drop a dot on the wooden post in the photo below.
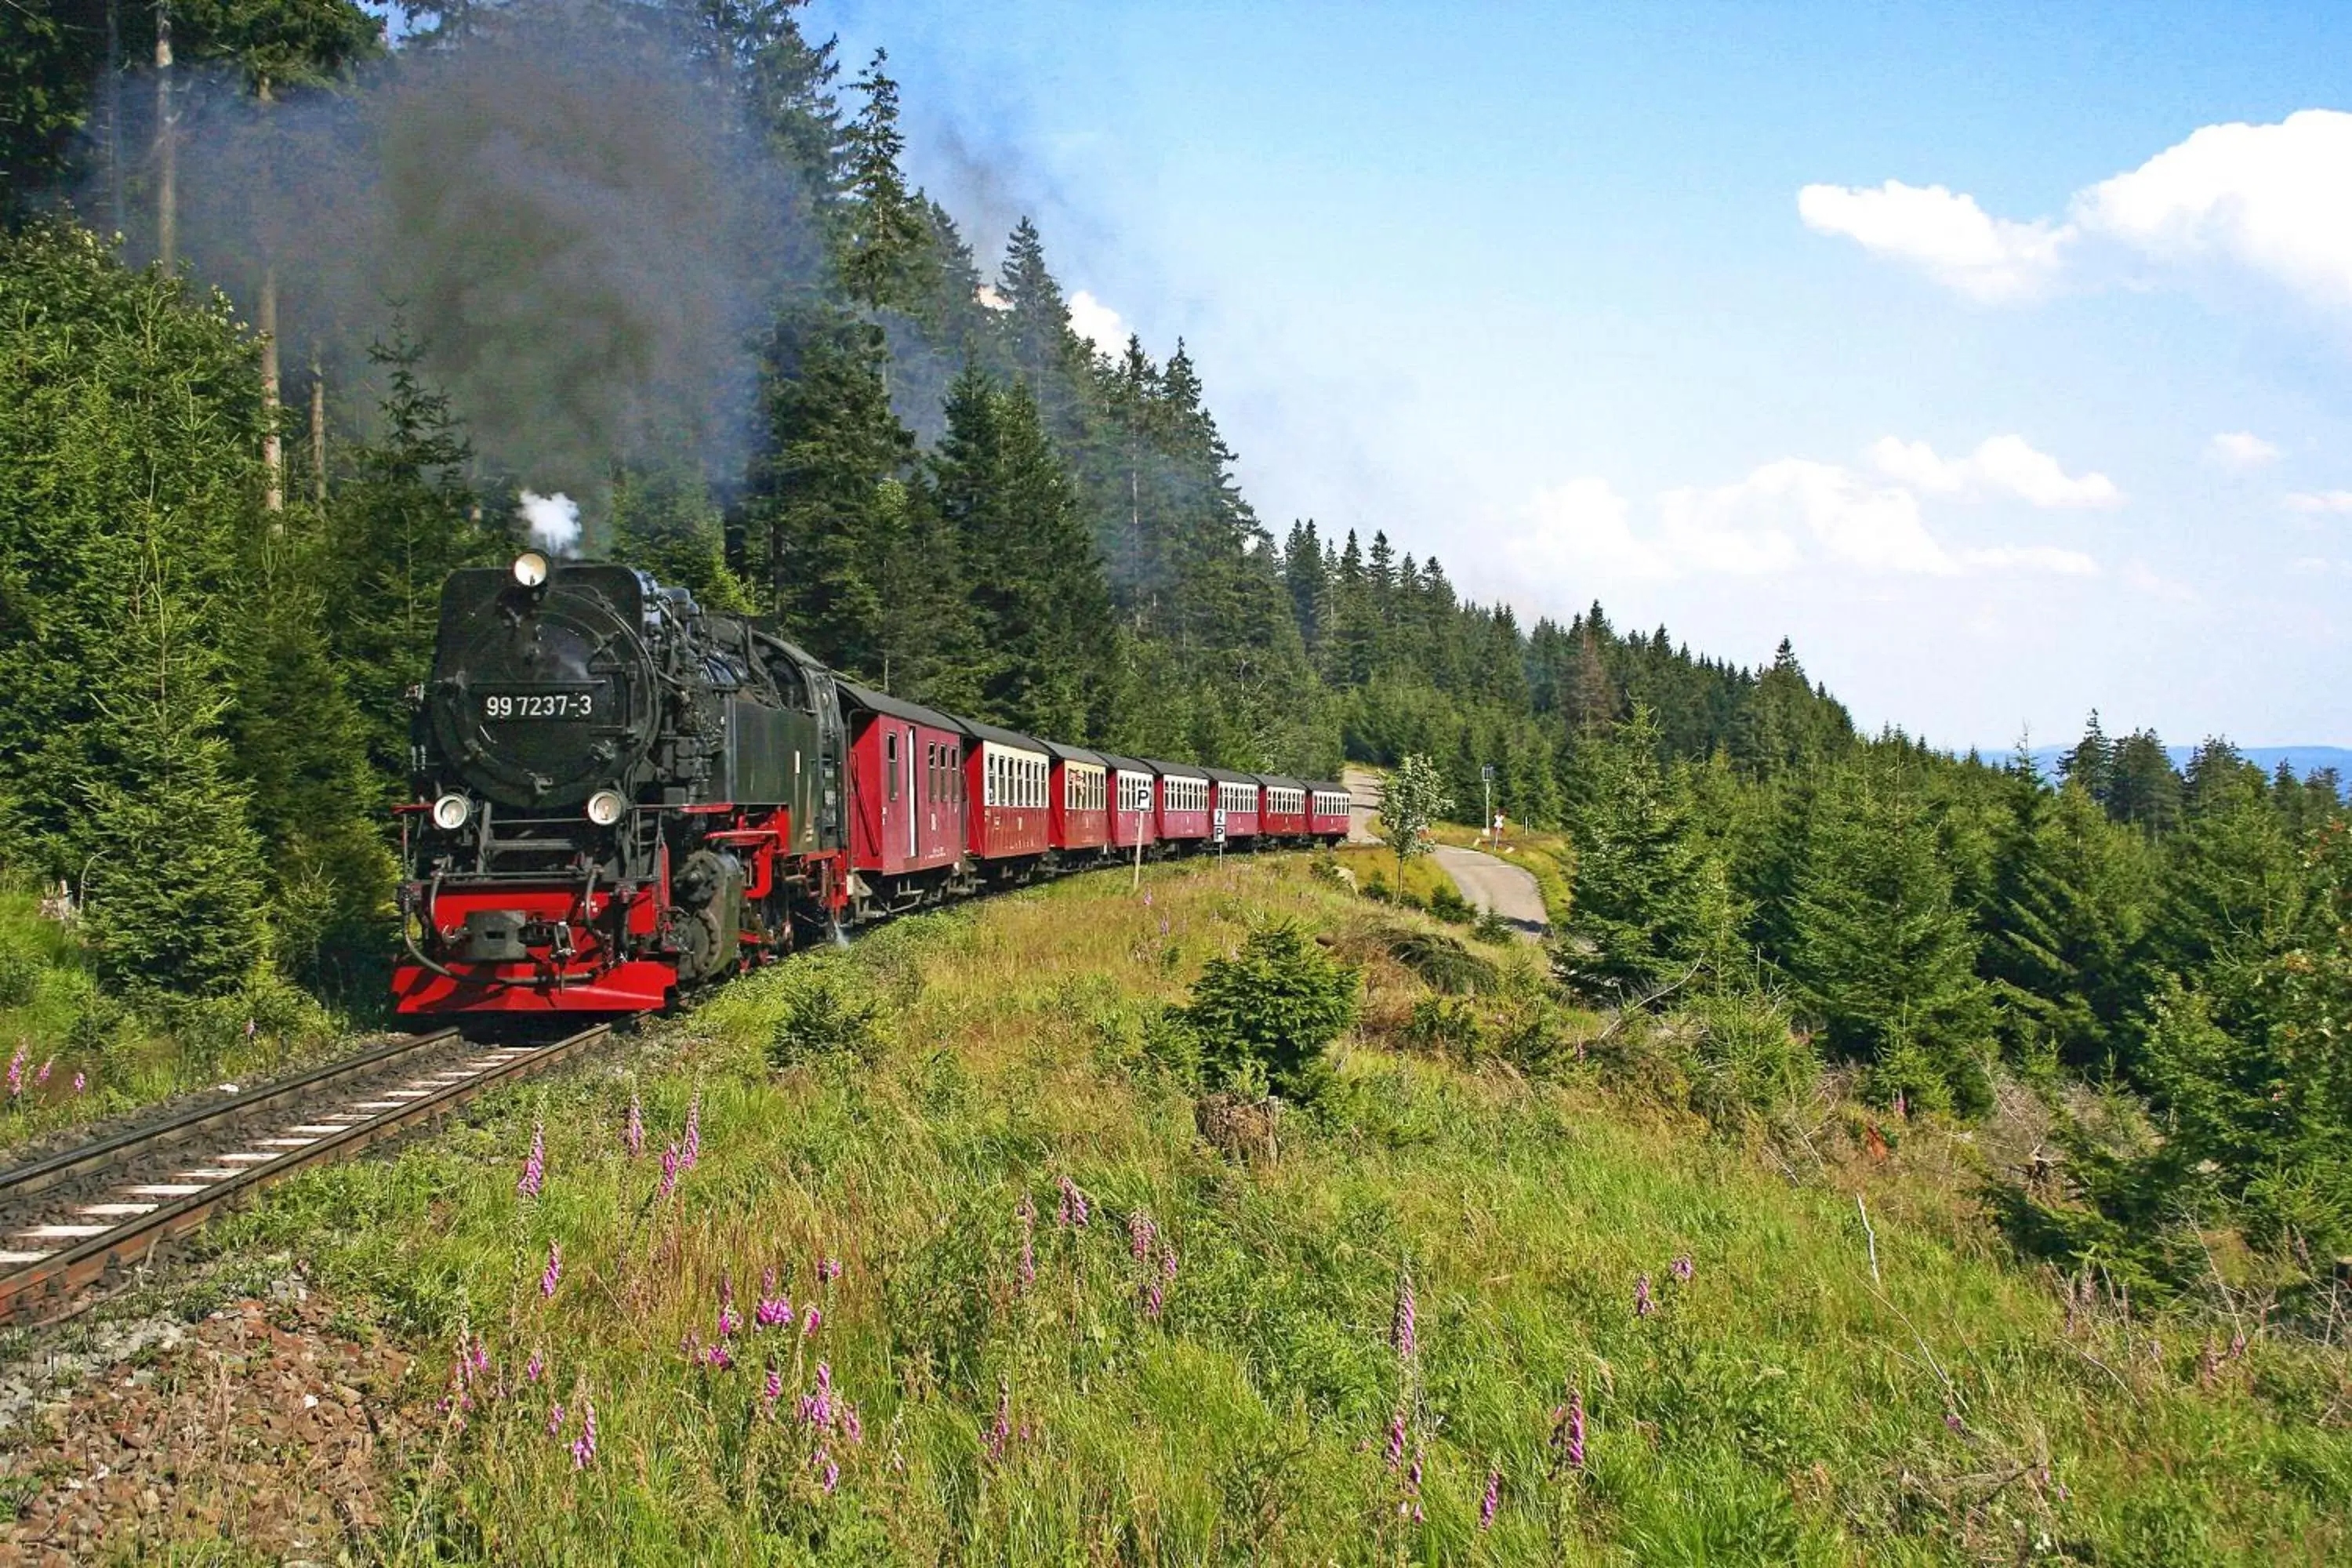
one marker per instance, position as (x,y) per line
(1137,881)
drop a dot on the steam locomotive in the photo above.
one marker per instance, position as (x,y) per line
(619,796)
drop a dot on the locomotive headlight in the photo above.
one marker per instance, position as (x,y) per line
(530,568)
(605,807)
(449,813)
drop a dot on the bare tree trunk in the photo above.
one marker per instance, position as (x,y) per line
(167,161)
(318,435)
(114,115)
(273,449)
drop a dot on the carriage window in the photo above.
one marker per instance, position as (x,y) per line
(891,758)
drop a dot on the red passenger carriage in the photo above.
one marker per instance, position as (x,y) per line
(905,799)
(1283,814)
(1328,808)
(1132,795)
(1184,799)
(1237,795)
(1008,820)
(1080,793)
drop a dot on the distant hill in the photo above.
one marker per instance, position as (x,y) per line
(2304,760)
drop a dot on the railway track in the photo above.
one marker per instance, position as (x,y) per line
(78,1217)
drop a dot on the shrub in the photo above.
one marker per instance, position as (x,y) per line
(1376,888)
(824,1014)
(1451,1027)
(1440,961)
(1265,1014)
(20,975)
(1446,902)
(1490,926)
(1746,1058)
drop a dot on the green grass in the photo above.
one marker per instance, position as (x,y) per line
(1780,1406)
(53,1015)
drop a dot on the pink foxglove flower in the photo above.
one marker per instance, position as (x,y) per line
(80,1083)
(1027,1217)
(42,1077)
(536,1369)
(832,1472)
(554,1420)
(583,1447)
(693,1150)
(1396,1439)
(772,1311)
(669,1173)
(773,1389)
(534,1166)
(811,1316)
(1405,1320)
(633,1134)
(1493,1499)
(17,1072)
(727,1321)
(1681,1268)
(549,1275)
(1000,1431)
(850,1426)
(829,1271)
(718,1359)
(1141,1233)
(1643,1305)
(1073,1211)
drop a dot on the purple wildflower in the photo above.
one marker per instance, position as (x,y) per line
(1952,1420)
(1418,1517)
(772,1311)
(80,1083)
(693,1151)
(633,1134)
(42,1077)
(727,1321)
(829,1271)
(536,1369)
(1000,1431)
(1681,1268)
(832,1471)
(1567,1434)
(775,1388)
(817,1409)
(1643,1305)
(1140,1233)
(555,1420)
(1396,1439)
(1902,1106)
(811,1316)
(669,1173)
(534,1166)
(1074,1210)
(480,1357)
(17,1072)
(1026,1215)
(553,1272)
(718,1359)
(850,1426)
(583,1447)
(1493,1499)
(1402,1325)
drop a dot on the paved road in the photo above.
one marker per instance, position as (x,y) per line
(1492,884)
(1364,787)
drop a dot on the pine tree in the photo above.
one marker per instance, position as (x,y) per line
(1879,951)
(1652,908)
(2142,787)
(176,897)
(885,251)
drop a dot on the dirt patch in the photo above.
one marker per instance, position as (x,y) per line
(258,1425)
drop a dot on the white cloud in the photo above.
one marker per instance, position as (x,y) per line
(1954,240)
(2263,201)
(2032,558)
(2268,198)
(2240,450)
(1758,524)
(553,520)
(1097,323)
(2000,466)
(2321,501)
(1584,525)
(1787,516)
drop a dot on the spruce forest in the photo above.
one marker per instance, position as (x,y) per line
(233,475)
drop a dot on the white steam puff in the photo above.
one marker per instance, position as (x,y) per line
(554,521)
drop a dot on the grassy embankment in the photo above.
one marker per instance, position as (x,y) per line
(1794,1400)
(58,1024)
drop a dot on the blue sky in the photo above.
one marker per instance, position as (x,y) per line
(1620,302)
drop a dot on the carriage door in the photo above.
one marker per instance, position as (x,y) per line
(914,804)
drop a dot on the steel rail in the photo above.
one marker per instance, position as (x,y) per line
(28,1287)
(194,1121)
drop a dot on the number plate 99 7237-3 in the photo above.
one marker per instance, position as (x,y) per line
(540,705)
